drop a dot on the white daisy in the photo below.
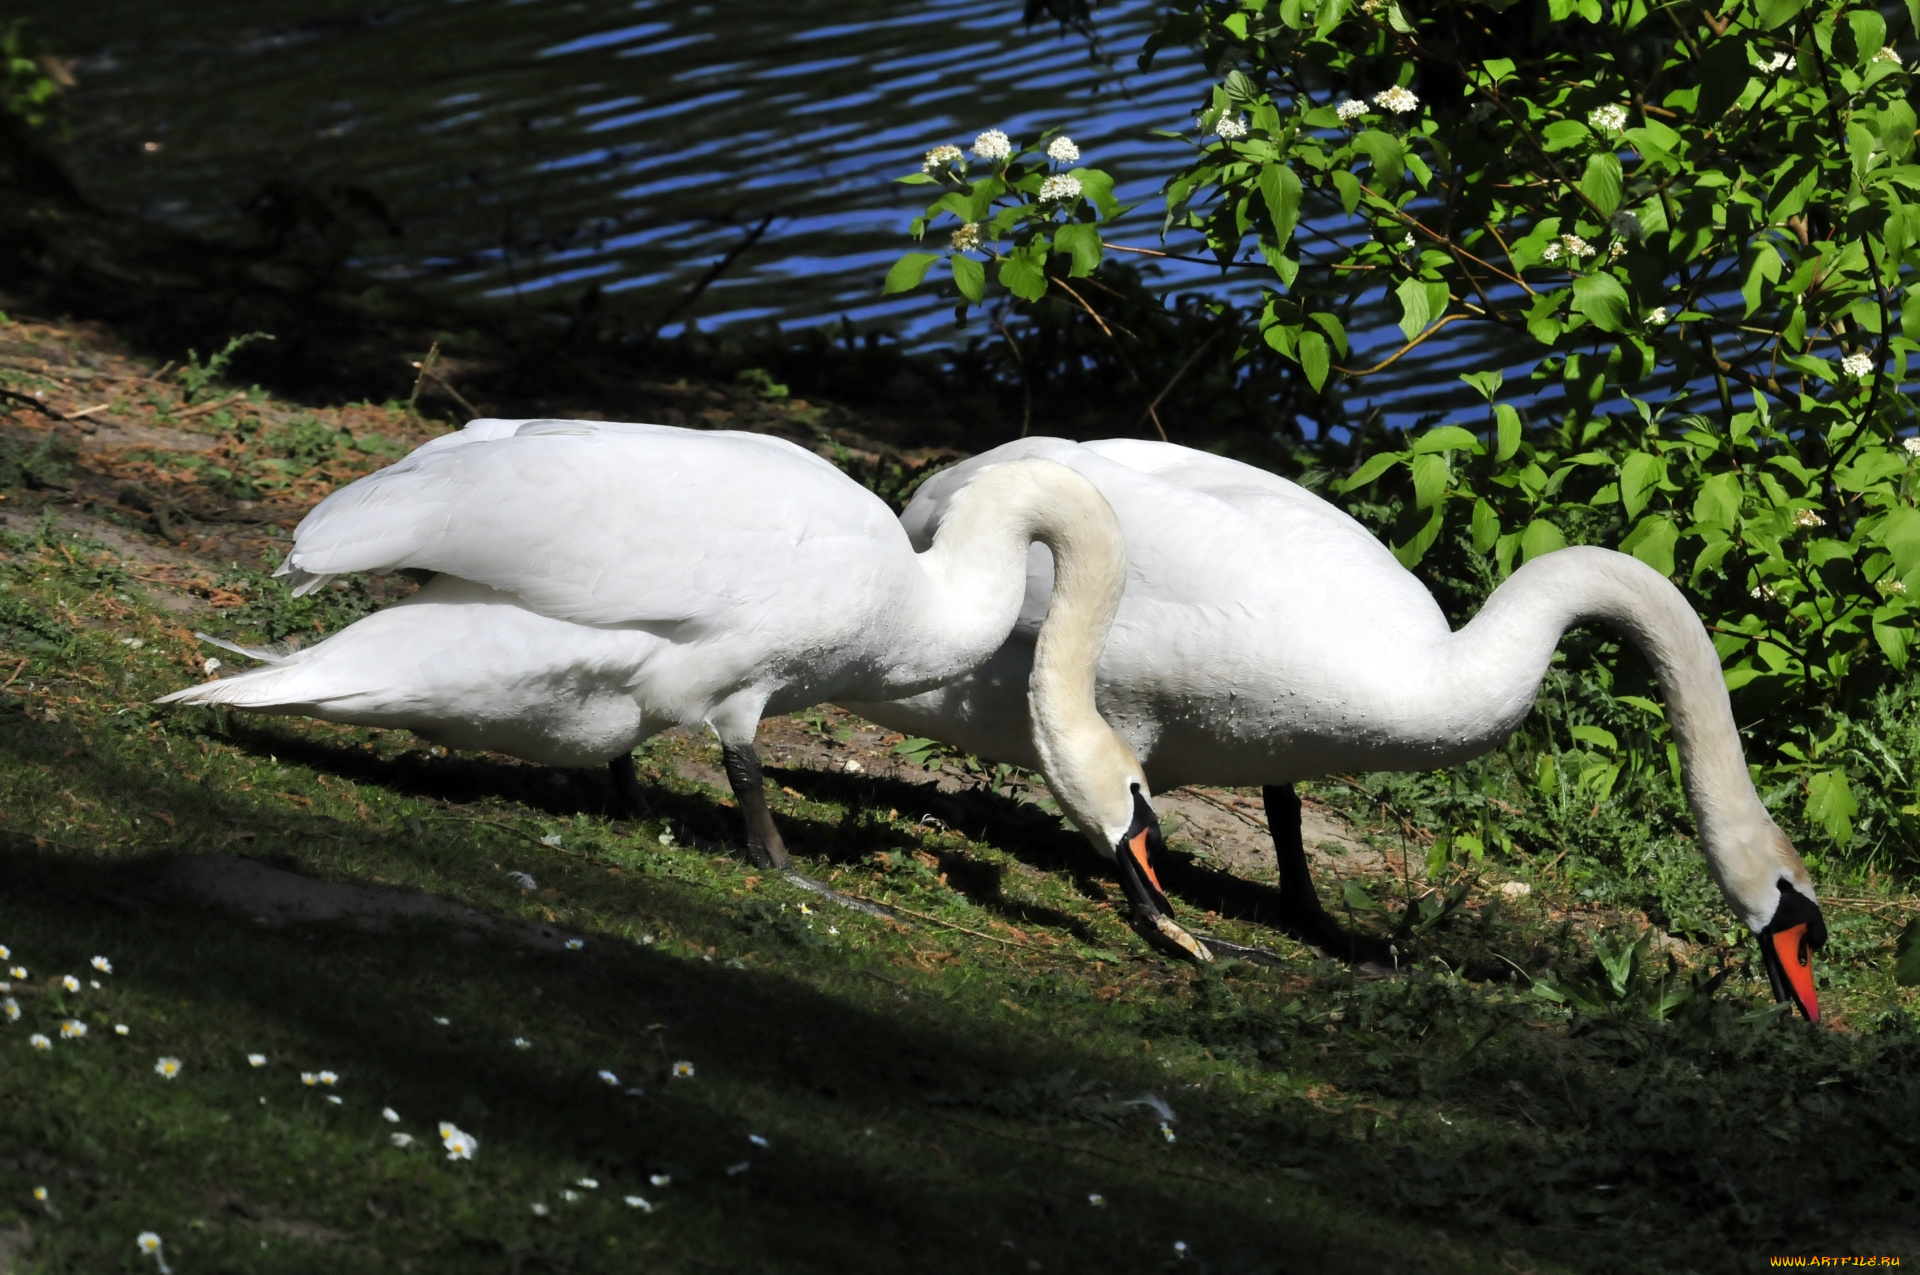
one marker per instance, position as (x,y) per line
(539,1210)
(166,1068)
(328,1078)
(256,1060)
(39,1042)
(1098,1200)
(661,1179)
(401,1139)
(607,1077)
(460,1146)
(148,1242)
(72,1029)
(683,1071)
(574,945)
(102,964)
(69,982)
(636,1202)
(11,1007)
(591,1184)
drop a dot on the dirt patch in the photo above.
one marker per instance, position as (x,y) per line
(273,896)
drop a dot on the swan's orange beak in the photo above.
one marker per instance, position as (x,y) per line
(1138,849)
(1789,961)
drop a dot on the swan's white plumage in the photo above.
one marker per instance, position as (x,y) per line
(597,582)
(1266,637)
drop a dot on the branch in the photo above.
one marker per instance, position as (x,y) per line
(1395,356)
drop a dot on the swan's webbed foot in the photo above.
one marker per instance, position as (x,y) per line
(765,849)
(1152,913)
(629,798)
(1300,912)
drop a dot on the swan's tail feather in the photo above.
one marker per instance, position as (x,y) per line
(302,582)
(276,686)
(265,654)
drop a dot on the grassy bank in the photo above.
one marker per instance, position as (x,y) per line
(1007,1080)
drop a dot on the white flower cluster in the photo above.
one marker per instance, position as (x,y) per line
(1397,100)
(1912,445)
(1406,242)
(1061,150)
(1350,110)
(1059,189)
(1573,247)
(1807,518)
(967,238)
(1230,128)
(1886,54)
(1897,588)
(940,157)
(1607,119)
(1616,250)
(1782,62)
(460,1146)
(1657,315)
(1859,366)
(1762,593)
(992,144)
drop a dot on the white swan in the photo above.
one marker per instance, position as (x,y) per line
(600,582)
(1266,637)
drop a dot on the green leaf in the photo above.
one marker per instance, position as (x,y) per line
(1280,188)
(1314,358)
(1415,311)
(1598,736)
(1540,537)
(1356,897)
(908,272)
(1718,503)
(1376,465)
(1430,474)
(1024,277)
(1349,187)
(1896,132)
(1831,805)
(1486,527)
(1639,475)
(1601,298)
(1388,155)
(1096,188)
(1652,541)
(1488,383)
(1777,13)
(1507,423)
(1410,553)
(1082,242)
(1724,72)
(1906,956)
(1869,35)
(1446,438)
(1602,182)
(970,278)
(1543,317)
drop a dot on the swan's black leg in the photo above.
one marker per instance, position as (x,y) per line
(629,796)
(764,846)
(1300,912)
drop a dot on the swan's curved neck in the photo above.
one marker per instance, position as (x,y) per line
(977,570)
(1511,641)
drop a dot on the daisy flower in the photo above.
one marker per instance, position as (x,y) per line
(402,1139)
(591,1184)
(328,1078)
(308,1079)
(256,1060)
(72,1029)
(521,1042)
(148,1242)
(11,1008)
(539,1210)
(661,1179)
(69,982)
(102,964)
(574,945)
(120,1029)
(683,1071)
(607,1077)
(569,1195)
(17,971)
(1098,1200)
(39,1042)
(389,1115)
(638,1202)
(167,1068)
(6,953)
(40,1194)
(460,1146)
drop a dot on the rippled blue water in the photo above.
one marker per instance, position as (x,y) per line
(527,149)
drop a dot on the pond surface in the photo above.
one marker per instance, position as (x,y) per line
(526,150)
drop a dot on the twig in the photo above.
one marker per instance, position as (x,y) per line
(1395,356)
(714,271)
(1153,415)
(18,668)
(88,411)
(447,385)
(210,407)
(424,366)
(36,404)
(1175,380)
(1026,388)
(1868,905)
(1242,815)
(934,920)
(1174,256)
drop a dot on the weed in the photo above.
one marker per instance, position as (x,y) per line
(196,376)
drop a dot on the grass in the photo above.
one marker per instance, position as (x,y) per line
(948,1095)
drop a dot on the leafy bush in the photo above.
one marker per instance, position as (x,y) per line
(1698,228)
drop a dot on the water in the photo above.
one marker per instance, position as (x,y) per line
(526,150)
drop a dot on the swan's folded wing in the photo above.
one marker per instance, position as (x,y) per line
(604,523)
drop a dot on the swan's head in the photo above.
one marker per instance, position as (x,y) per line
(1766,881)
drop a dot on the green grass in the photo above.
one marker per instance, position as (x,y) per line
(935,1098)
